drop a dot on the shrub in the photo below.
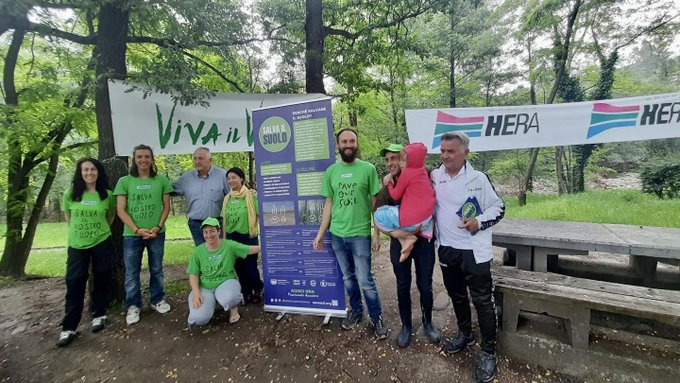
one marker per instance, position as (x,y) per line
(662,178)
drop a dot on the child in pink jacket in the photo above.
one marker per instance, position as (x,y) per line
(415,194)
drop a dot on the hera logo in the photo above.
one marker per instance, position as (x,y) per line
(606,116)
(499,125)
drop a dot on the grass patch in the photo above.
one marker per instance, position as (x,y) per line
(52,263)
(53,234)
(630,207)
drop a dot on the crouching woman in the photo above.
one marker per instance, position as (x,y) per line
(212,276)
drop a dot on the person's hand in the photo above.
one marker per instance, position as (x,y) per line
(470,224)
(375,242)
(197,300)
(318,242)
(144,233)
(388,179)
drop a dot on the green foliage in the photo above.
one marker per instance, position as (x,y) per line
(630,207)
(52,263)
(662,177)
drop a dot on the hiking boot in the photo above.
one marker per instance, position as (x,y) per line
(486,369)
(379,328)
(431,332)
(458,343)
(132,315)
(98,323)
(404,338)
(162,306)
(65,337)
(352,319)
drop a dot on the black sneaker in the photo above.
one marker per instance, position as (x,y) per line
(486,369)
(458,343)
(379,328)
(65,337)
(352,319)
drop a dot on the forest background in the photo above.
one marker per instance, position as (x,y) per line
(376,58)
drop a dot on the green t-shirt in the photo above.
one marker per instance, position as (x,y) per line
(215,267)
(351,188)
(144,200)
(88,224)
(237,214)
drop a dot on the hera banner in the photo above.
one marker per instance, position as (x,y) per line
(530,126)
(294,144)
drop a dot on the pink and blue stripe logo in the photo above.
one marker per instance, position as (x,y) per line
(606,116)
(472,126)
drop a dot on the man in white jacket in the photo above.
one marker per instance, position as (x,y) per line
(466,209)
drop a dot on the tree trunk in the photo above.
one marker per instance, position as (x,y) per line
(111,51)
(314,47)
(452,60)
(15,254)
(561,62)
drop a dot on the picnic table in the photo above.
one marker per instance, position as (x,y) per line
(539,242)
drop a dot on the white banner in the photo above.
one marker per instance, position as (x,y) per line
(171,128)
(530,126)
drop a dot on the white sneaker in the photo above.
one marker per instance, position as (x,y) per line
(65,337)
(162,307)
(132,315)
(98,323)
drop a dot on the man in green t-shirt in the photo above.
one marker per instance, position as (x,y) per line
(350,186)
(212,276)
(143,205)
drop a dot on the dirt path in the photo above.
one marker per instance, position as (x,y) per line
(258,348)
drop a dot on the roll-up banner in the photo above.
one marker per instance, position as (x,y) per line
(294,144)
(530,126)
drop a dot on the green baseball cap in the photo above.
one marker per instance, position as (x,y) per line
(211,222)
(394,148)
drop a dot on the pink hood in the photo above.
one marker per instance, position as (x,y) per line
(416,153)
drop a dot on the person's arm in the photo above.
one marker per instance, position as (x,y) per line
(121,209)
(67,217)
(397,190)
(325,221)
(178,186)
(164,216)
(254,249)
(195,288)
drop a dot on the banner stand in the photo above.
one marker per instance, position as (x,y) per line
(294,144)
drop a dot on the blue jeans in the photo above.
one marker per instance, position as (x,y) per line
(133,250)
(354,258)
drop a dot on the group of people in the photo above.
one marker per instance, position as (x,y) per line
(454,203)
(222,218)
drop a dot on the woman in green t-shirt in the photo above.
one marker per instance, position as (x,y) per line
(239,214)
(89,208)
(212,276)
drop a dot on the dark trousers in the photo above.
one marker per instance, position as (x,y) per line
(422,256)
(77,271)
(460,273)
(246,268)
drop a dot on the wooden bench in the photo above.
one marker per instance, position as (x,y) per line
(573,299)
(537,243)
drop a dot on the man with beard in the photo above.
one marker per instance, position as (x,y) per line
(422,256)
(350,186)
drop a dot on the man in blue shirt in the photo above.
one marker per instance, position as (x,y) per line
(204,188)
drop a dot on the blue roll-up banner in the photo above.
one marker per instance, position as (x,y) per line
(294,144)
